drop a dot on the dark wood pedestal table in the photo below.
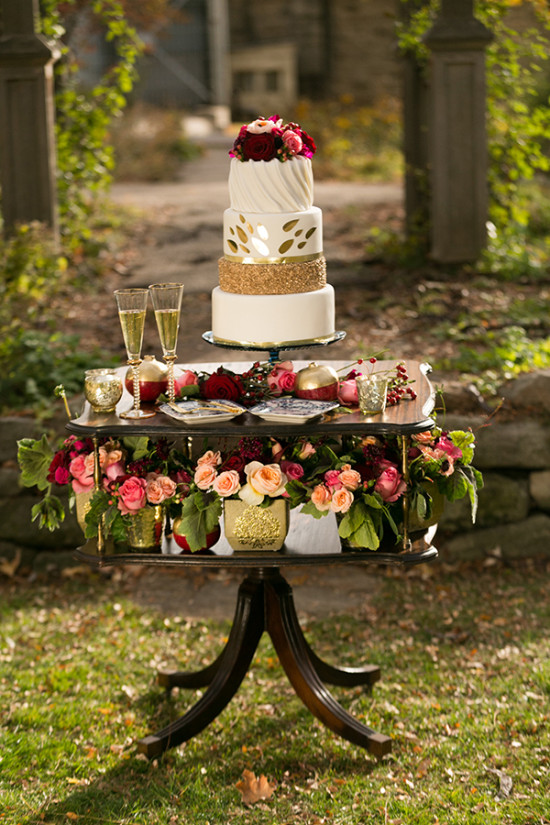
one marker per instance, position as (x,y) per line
(265,600)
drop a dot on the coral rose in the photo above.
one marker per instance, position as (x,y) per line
(341,501)
(226,483)
(210,457)
(159,488)
(132,495)
(204,476)
(349,478)
(321,497)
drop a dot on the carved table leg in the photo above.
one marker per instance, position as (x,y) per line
(231,668)
(294,655)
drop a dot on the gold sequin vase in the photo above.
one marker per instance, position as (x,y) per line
(255,527)
(146,528)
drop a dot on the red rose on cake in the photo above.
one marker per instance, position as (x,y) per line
(269,138)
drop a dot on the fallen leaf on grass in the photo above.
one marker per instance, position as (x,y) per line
(504,782)
(253,789)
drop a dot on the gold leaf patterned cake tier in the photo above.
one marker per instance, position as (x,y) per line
(283,278)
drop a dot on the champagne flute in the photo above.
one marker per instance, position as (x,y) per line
(132,305)
(167,306)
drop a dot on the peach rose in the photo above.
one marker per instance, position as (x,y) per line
(349,478)
(227,483)
(306,450)
(159,488)
(427,437)
(341,501)
(321,497)
(211,458)
(266,479)
(204,476)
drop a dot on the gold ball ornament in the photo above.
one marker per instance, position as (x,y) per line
(153,379)
(317,382)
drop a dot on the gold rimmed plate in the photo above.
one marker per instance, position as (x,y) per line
(202,412)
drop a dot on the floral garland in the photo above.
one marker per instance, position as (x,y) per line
(270,138)
(267,380)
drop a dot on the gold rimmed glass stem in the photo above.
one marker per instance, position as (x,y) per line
(166,300)
(132,306)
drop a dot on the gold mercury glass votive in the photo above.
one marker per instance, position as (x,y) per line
(372,393)
(103,389)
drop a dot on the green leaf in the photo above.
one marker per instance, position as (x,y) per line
(34,459)
(49,512)
(139,444)
(200,515)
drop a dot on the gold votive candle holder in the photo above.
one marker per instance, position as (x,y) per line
(102,389)
(372,391)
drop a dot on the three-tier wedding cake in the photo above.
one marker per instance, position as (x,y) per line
(272,276)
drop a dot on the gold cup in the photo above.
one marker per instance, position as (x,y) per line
(103,389)
(372,393)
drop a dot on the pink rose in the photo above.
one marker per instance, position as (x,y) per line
(292,141)
(347,393)
(211,458)
(114,471)
(444,443)
(81,469)
(292,469)
(132,495)
(265,479)
(321,497)
(332,479)
(390,484)
(349,478)
(159,488)
(281,378)
(306,450)
(204,476)
(62,475)
(184,379)
(341,501)
(227,483)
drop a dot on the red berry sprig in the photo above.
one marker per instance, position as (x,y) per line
(399,387)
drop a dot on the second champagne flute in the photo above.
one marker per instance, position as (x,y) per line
(132,305)
(167,306)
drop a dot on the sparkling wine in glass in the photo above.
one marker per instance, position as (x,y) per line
(132,305)
(167,306)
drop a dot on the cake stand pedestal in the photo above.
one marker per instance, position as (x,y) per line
(274,349)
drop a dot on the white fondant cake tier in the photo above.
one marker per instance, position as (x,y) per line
(267,320)
(272,237)
(271,185)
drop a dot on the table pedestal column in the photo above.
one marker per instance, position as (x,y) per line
(265,603)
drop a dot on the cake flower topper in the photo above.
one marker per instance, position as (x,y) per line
(270,139)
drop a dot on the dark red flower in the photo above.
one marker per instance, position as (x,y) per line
(224,386)
(234,462)
(259,147)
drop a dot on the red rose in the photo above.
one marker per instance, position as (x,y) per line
(58,472)
(222,386)
(259,147)
(234,462)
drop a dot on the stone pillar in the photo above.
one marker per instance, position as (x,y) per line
(220,69)
(457,142)
(27,145)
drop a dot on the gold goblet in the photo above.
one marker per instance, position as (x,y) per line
(166,300)
(132,305)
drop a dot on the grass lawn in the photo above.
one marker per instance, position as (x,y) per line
(465,693)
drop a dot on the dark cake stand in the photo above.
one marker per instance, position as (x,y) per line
(274,349)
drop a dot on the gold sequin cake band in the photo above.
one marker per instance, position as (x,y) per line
(272,279)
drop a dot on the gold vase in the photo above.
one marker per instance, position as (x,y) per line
(82,505)
(255,528)
(146,528)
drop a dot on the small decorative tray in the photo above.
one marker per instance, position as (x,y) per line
(202,412)
(292,410)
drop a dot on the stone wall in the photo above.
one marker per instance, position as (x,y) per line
(512,452)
